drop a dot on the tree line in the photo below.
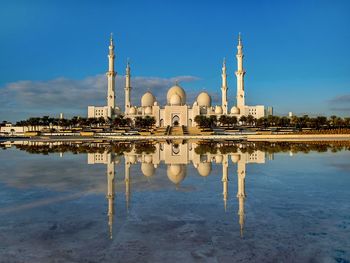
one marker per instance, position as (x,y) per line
(273,121)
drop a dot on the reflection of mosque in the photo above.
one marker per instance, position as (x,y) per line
(177,157)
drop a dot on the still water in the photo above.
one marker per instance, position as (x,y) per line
(174,202)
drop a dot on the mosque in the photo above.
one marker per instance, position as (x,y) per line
(177,158)
(177,111)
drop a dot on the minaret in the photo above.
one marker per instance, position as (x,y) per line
(111,79)
(225,179)
(224,88)
(110,193)
(241,192)
(127,88)
(240,75)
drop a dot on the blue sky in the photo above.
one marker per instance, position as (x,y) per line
(54,53)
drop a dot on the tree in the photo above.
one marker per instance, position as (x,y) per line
(243,119)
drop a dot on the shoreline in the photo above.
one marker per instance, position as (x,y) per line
(248,137)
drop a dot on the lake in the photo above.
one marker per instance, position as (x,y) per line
(174,202)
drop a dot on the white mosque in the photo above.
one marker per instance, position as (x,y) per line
(176,112)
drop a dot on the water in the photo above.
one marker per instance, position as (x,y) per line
(174,202)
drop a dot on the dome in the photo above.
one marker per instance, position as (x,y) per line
(203,99)
(176,173)
(235,158)
(147,169)
(218,110)
(132,110)
(176,90)
(175,100)
(147,99)
(148,110)
(234,110)
(204,169)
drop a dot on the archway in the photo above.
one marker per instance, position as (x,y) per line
(176,120)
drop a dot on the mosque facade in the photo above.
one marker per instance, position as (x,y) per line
(177,111)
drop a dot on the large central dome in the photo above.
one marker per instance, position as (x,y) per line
(176,90)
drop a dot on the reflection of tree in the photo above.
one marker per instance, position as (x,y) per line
(272,147)
(75,148)
(144,147)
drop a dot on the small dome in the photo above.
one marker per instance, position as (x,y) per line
(147,99)
(175,100)
(204,169)
(235,158)
(148,110)
(204,99)
(132,111)
(147,169)
(234,110)
(176,173)
(218,110)
(155,103)
(176,90)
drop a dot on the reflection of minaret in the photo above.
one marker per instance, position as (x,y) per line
(127,182)
(224,88)
(225,179)
(110,192)
(240,75)
(241,165)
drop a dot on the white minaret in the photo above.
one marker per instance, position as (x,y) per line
(240,75)
(127,88)
(224,88)
(111,80)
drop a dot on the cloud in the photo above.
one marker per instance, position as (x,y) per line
(340,103)
(22,99)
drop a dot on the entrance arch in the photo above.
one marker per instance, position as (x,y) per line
(175,120)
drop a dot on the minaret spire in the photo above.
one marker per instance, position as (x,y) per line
(225,180)
(240,76)
(111,79)
(127,87)
(224,87)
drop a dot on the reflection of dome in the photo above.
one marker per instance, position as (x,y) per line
(148,110)
(175,100)
(176,173)
(218,110)
(218,158)
(235,158)
(234,110)
(204,169)
(132,111)
(147,169)
(204,99)
(147,99)
(132,158)
(148,158)
(176,90)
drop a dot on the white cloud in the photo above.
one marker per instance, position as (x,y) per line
(22,99)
